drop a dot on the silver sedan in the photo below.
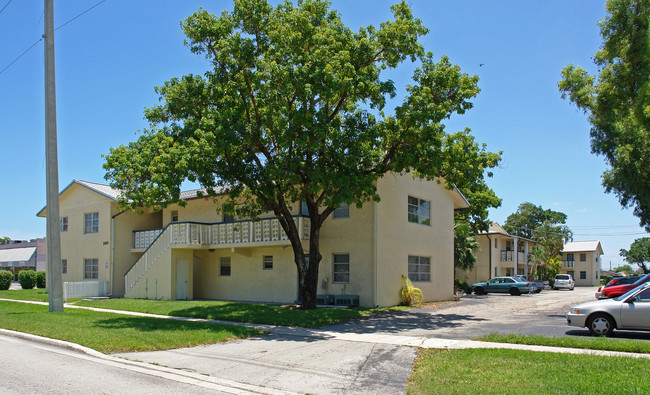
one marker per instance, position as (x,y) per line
(629,311)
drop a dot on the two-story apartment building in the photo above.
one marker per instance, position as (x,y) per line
(197,252)
(581,260)
(499,254)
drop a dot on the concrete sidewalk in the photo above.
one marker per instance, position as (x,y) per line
(388,339)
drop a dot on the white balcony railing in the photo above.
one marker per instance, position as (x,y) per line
(569,264)
(508,256)
(264,230)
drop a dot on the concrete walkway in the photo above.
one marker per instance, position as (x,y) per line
(388,339)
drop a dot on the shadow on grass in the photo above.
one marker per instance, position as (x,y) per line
(270,315)
(146,324)
(629,335)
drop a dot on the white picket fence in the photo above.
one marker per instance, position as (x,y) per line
(84,289)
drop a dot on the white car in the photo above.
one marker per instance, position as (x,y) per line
(629,311)
(564,281)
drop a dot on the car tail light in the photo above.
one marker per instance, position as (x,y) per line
(600,289)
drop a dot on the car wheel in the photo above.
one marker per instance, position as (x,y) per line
(554,289)
(515,291)
(479,291)
(600,325)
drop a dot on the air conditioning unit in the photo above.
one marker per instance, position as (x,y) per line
(346,300)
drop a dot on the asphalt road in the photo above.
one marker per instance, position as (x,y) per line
(31,367)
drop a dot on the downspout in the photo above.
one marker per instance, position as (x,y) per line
(113,249)
(489,256)
(374,253)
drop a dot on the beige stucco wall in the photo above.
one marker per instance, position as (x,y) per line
(77,246)
(123,257)
(591,267)
(397,238)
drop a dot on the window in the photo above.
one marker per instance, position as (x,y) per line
(91,223)
(64,224)
(304,210)
(64,266)
(569,257)
(508,271)
(583,257)
(583,275)
(342,211)
(570,273)
(418,211)
(224,266)
(228,217)
(91,269)
(420,268)
(341,268)
(174,216)
(496,245)
(267,262)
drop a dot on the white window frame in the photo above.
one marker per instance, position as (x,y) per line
(341,268)
(342,211)
(91,222)
(583,257)
(267,262)
(225,262)
(64,224)
(419,210)
(91,268)
(419,268)
(174,216)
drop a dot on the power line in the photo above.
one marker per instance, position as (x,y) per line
(3,8)
(41,39)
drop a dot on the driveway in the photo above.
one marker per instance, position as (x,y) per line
(304,361)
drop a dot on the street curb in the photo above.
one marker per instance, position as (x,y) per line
(162,371)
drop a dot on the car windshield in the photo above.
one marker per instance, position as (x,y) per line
(627,294)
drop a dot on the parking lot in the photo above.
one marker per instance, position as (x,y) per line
(474,316)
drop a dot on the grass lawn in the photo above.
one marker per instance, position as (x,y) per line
(238,312)
(108,333)
(489,371)
(36,294)
(593,343)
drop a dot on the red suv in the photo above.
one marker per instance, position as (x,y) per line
(618,290)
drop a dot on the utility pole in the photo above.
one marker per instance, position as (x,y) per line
(54,278)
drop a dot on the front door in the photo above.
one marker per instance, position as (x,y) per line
(181,279)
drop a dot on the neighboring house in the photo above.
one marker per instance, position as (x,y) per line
(17,255)
(581,259)
(499,254)
(196,252)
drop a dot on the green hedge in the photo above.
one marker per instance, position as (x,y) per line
(5,279)
(27,279)
(41,279)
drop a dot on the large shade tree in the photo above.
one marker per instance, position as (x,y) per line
(529,217)
(639,253)
(293,109)
(617,101)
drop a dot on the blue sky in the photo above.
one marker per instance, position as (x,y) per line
(109,60)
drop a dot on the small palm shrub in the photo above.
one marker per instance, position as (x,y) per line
(41,281)
(5,279)
(408,294)
(27,279)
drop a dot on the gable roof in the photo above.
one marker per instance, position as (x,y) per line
(496,229)
(102,189)
(583,246)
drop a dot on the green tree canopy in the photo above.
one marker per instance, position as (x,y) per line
(465,246)
(617,101)
(529,217)
(293,109)
(625,269)
(639,253)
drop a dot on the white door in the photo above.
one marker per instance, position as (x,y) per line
(181,279)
